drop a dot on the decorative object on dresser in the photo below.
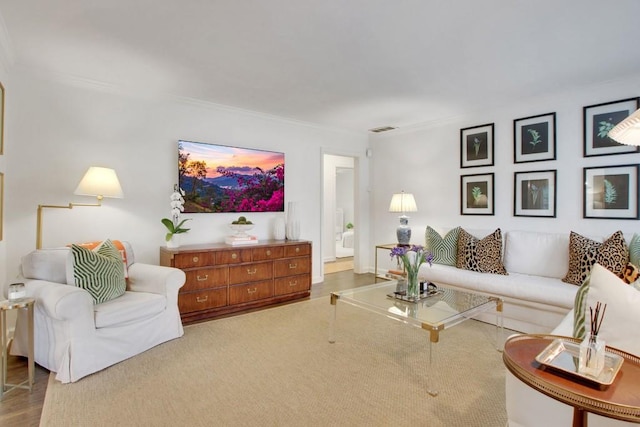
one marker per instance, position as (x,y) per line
(223,280)
(174,225)
(293,221)
(240,236)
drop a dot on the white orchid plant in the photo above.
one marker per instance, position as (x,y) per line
(174,225)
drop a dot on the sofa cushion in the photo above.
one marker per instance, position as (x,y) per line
(118,245)
(634,250)
(128,308)
(100,273)
(444,249)
(622,316)
(584,252)
(484,255)
(538,254)
(46,264)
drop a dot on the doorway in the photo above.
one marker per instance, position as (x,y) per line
(339,213)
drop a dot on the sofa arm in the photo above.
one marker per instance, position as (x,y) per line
(59,301)
(155,279)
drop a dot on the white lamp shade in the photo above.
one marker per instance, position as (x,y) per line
(403,202)
(627,131)
(100,182)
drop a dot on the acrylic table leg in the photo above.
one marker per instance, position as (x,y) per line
(31,362)
(499,326)
(433,339)
(3,345)
(332,319)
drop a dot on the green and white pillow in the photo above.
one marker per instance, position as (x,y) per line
(100,273)
(579,309)
(444,249)
(634,250)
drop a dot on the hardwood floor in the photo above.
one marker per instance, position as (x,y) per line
(19,408)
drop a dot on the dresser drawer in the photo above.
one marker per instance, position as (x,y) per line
(292,284)
(261,254)
(250,272)
(192,260)
(234,256)
(204,278)
(196,301)
(250,292)
(297,250)
(291,266)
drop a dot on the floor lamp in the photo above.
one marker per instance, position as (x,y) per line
(98,182)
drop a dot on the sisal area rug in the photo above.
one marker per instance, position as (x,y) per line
(275,367)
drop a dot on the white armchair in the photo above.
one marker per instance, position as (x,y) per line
(74,337)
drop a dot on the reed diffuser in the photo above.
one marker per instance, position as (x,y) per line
(592,348)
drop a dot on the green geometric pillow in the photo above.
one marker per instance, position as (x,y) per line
(579,309)
(634,250)
(100,273)
(444,250)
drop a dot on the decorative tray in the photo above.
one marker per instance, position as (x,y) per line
(402,296)
(564,355)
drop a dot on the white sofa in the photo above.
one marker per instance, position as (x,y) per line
(74,337)
(527,407)
(535,297)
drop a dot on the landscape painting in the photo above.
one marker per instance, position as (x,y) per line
(220,178)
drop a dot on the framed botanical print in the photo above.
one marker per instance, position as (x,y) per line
(535,194)
(476,146)
(534,138)
(610,192)
(599,119)
(476,194)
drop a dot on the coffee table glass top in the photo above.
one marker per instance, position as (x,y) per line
(448,308)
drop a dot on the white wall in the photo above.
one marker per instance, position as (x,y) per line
(425,161)
(57,129)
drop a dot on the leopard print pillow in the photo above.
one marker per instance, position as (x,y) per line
(612,254)
(484,256)
(630,274)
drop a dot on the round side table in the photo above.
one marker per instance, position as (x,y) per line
(5,306)
(620,400)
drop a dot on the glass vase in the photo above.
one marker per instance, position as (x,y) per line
(591,358)
(413,286)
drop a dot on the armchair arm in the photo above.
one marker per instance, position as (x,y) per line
(61,302)
(155,279)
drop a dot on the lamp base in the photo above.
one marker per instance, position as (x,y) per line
(403,232)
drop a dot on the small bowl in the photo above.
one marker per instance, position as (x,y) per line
(241,229)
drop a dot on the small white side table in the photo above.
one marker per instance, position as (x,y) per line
(24,304)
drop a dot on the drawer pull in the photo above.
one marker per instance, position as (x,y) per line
(268,252)
(195,259)
(252,291)
(234,255)
(254,271)
(203,299)
(297,249)
(294,283)
(202,278)
(292,266)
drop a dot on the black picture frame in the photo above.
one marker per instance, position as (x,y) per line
(476,146)
(477,194)
(534,193)
(599,119)
(610,192)
(534,138)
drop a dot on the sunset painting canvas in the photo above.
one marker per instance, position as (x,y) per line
(220,178)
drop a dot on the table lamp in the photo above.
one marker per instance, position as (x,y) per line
(403,202)
(97,181)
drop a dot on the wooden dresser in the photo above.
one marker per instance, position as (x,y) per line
(223,279)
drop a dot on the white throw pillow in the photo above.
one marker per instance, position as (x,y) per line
(621,321)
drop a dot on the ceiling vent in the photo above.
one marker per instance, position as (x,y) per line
(382,129)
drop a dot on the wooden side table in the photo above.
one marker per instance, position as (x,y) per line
(620,400)
(21,304)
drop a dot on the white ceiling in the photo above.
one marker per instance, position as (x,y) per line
(352,64)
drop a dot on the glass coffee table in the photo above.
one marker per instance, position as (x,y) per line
(443,309)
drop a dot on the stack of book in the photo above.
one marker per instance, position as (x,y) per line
(241,240)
